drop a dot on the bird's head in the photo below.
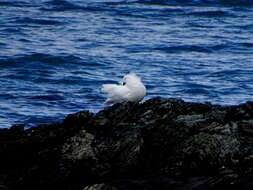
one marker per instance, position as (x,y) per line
(131,79)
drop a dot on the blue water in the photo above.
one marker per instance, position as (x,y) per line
(55,55)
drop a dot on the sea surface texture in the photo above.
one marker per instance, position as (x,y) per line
(56,54)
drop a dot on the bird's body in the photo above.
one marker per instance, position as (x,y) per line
(132,90)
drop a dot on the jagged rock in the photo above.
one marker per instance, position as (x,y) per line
(99,187)
(160,144)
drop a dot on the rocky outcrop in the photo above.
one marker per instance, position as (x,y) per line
(160,144)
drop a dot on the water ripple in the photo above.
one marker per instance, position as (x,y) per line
(28,20)
(55,55)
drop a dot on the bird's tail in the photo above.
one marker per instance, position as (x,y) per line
(108,89)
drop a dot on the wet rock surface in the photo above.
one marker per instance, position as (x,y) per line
(160,144)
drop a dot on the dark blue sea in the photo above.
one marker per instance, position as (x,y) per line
(56,54)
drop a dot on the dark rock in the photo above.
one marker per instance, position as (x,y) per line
(160,144)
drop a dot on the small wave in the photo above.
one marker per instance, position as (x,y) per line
(191,48)
(244,26)
(12,30)
(2,44)
(231,73)
(38,57)
(28,20)
(47,97)
(195,91)
(247,44)
(204,26)
(6,96)
(6,3)
(198,2)
(61,5)
(216,13)
(15,4)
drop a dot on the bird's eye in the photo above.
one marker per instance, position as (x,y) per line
(124,83)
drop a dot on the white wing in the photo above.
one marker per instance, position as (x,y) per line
(116,93)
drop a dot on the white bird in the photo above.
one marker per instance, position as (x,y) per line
(132,90)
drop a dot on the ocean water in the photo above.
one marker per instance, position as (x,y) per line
(56,54)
